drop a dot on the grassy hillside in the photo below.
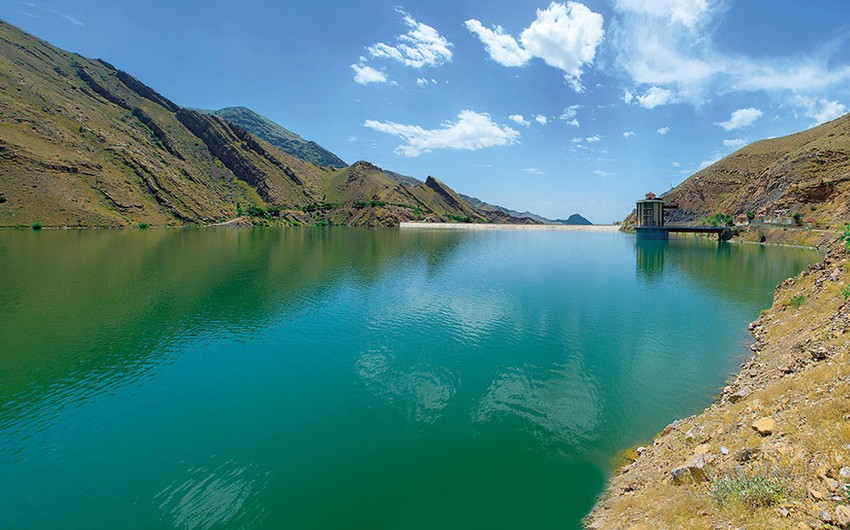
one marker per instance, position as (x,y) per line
(285,140)
(84,144)
(806,173)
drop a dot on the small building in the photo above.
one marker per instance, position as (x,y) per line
(742,219)
(650,211)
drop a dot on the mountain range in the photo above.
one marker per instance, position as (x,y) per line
(84,144)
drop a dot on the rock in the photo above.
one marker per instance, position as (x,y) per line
(740,394)
(816,494)
(724,450)
(830,484)
(693,472)
(825,516)
(764,426)
(818,353)
(844,471)
(842,516)
(784,512)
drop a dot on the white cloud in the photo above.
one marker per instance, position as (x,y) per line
(45,8)
(685,12)
(629,134)
(734,142)
(421,46)
(570,114)
(602,173)
(422,81)
(564,36)
(821,110)
(577,140)
(663,131)
(592,139)
(656,96)
(520,119)
(715,158)
(670,44)
(366,74)
(676,164)
(541,119)
(532,171)
(740,118)
(628,97)
(503,48)
(471,131)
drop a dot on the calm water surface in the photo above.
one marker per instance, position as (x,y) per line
(333,378)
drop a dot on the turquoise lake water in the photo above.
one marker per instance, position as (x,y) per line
(342,378)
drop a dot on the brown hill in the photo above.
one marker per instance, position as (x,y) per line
(85,144)
(806,173)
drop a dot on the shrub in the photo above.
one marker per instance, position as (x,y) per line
(256,211)
(143,226)
(751,215)
(759,488)
(846,236)
(846,292)
(762,237)
(720,219)
(36,225)
(273,211)
(798,300)
(797,217)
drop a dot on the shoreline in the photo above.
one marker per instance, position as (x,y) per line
(775,413)
(516,227)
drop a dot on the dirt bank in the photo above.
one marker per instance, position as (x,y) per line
(774,450)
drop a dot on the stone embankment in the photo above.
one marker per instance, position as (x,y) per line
(774,450)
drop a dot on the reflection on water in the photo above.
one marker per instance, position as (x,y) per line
(328,378)
(207,498)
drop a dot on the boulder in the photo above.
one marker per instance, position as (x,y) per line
(764,426)
(841,518)
(692,472)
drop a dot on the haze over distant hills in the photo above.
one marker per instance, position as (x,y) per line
(83,143)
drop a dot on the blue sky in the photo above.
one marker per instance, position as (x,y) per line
(553,107)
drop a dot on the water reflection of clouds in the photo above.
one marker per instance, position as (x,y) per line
(419,390)
(209,497)
(562,405)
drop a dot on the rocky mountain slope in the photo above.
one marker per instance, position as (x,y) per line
(806,173)
(85,144)
(285,140)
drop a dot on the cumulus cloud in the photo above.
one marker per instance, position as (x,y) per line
(520,119)
(422,81)
(471,131)
(656,96)
(592,139)
(734,142)
(821,110)
(740,118)
(570,114)
(502,47)
(663,131)
(366,74)
(421,46)
(564,36)
(541,119)
(629,134)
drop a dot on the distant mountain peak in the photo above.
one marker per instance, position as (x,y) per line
(280,137)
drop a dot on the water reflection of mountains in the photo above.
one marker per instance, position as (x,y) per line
(743,272)
(106,302)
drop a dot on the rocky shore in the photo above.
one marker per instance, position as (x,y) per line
(774,450)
